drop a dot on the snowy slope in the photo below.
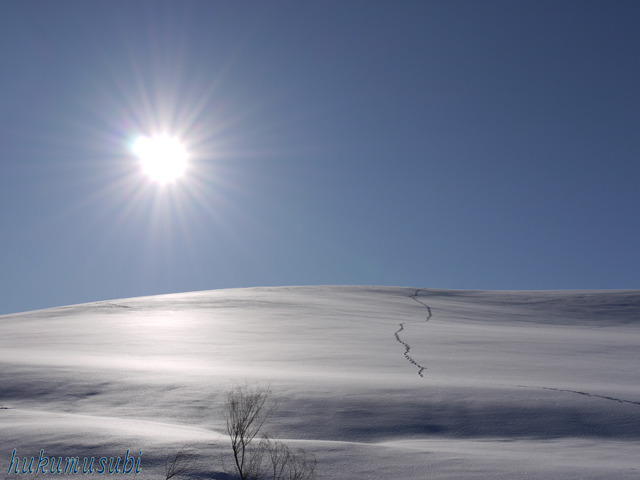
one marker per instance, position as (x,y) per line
(379,382)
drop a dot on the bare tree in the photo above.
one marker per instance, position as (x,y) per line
(246,411)
(301,466)
(284,464)
(277,457)
(176,466)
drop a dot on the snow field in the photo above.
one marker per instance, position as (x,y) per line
(514,384)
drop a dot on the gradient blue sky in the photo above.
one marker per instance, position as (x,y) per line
(448,144)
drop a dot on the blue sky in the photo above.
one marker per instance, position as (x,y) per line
(449,144)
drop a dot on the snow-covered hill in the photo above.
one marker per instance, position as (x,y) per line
(379,382)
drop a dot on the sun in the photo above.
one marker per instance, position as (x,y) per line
(163,158)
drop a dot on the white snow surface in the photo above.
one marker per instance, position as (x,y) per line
(493,385)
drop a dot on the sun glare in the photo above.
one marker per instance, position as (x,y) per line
(163,158)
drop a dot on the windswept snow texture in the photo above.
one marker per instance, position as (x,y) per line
(379,383)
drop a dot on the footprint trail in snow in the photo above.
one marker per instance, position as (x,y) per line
(407,347)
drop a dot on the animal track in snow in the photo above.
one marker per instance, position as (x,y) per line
(586,394)
(407,347)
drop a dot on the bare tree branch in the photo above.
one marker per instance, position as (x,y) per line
(246,411)
(176,466)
